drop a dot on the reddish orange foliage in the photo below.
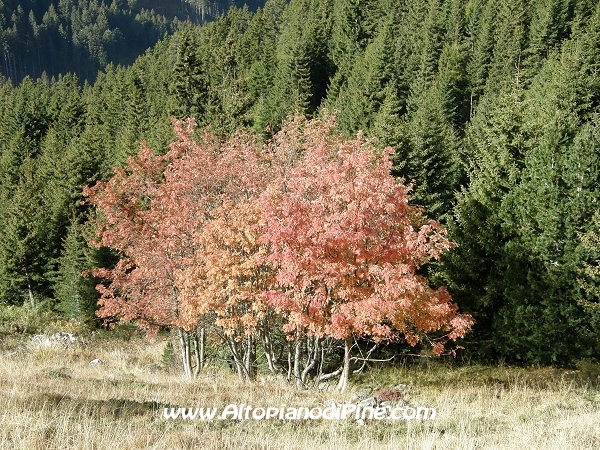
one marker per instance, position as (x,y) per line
(311,224)
(149,213)
(347,245)
(187,230)
(228,277)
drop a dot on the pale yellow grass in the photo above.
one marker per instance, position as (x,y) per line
(53,399)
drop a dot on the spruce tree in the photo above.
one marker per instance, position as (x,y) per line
(590,273)
(428,155)
(75,293)
(360,98)
(304,65)
(477,269)
(509,42)
(23,264)
(188,84)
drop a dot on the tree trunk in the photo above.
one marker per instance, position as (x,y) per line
(184,341)
(250,358)
(29,291)
(198,351)
(272,360)
(202,346)
(343,383)
(312,358)
(297,364)
(290,365)
(237,359)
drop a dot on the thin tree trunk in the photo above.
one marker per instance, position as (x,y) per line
(185,353)
(202,346)
(198,358)
(290,365)
(312,359)
(250,358)
(321,361)
(239,363)
(29,291)
(343,383)
(272,360)
(297,374)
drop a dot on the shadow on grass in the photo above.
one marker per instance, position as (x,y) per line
(114,408)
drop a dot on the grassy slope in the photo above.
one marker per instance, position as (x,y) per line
(53,399)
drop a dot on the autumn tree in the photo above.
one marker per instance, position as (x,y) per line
(228,275)
(187,230)
(347,247)
(139,214)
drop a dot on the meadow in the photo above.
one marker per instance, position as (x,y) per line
(53,398)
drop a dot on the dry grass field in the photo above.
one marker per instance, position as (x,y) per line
(53,398)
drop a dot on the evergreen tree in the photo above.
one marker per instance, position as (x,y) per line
(428,154)
(263,33)
(453,85)
(359,100)
(189,84)
(509,41)
(75,293)
(388,126)
(547,29)
(304,67)
(590,273)
(22,264)
(540,319)
(533,190)
(228,101)
(480,19)
(495,145)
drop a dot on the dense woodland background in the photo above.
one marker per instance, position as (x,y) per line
(492,108)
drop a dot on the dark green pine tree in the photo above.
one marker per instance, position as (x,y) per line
(225,52)
(509,42)
(22,261)
(550,208)
(22,256)
(495,145)
(75,293)
(388,126)
(348,35)
(354,25)
(303,63)
(65,107)
(540,320)
(479,17)
(428,154)
(189,84)
(453,85)
(407,43)
(359,100)
(262,35)
(424,40)
(534,187)
(106,116)
(548,27)
(590,274)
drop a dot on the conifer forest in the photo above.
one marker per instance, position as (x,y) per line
(284,179)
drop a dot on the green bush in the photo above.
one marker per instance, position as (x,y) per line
(589,371)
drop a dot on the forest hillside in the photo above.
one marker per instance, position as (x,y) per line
(492,109)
